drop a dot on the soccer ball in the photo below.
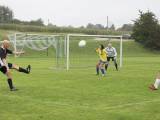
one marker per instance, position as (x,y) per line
(82,43)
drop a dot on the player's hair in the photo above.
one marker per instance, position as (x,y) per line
(101,47)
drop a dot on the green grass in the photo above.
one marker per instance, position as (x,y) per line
(78,94)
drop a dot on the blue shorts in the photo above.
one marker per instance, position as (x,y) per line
(103,62)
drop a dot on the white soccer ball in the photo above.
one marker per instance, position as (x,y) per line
(82,43)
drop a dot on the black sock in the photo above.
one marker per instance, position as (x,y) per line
(10,83)
(116,66)
(23,70)
(106,67)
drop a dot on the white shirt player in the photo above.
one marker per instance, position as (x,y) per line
(111,51)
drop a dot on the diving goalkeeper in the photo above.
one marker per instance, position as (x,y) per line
(5,66)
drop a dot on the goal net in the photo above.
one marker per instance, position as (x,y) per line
(86,57)
(40,47)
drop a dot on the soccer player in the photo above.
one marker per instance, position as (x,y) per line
(157,82)
(5,66)
(112,54)
(103,59)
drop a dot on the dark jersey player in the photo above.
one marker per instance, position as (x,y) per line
(5,66)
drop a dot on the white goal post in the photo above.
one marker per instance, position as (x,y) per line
(82,35)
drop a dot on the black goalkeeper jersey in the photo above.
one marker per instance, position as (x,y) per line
(4,52)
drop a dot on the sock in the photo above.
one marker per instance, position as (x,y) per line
(157,83)
(97,69)
(23,70)
(106,66)
(116,66)
(10,83)
(102,70)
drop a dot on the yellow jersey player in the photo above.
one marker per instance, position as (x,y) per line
(103,59)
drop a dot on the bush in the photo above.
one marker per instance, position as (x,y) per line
(54,29)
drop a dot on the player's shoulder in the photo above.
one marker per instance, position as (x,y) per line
(113,48)
(106,48)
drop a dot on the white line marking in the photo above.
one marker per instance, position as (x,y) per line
(51,103)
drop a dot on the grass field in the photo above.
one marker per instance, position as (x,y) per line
(48,94)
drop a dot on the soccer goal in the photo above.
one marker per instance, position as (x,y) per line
(49,48)
(86,57)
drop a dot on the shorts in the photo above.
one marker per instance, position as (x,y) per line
(9,65)
(112,58)
(3,68)
(102,62)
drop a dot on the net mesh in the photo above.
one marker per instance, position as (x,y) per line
(49,47)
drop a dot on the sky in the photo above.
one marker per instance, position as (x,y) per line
(81,12)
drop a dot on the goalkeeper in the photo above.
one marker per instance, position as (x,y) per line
(103,59)
(5,66)
(112,54)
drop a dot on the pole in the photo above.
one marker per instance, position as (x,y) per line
(67,52)
(107,23)
(121,50)
(15,48)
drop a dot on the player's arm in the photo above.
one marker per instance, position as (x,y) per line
(14,52)
(97,50)
(105,52)
(17,53)
(115,52)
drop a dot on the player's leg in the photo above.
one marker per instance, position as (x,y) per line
(20,69)
(102,64)
(97,68)
(4,70)
(115,63)
(155,85)
(107,63)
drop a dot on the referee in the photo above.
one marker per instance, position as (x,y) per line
(112,54)
(5,66)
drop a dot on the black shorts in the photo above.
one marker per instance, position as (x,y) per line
(9,65)
(3,69)
(108,58)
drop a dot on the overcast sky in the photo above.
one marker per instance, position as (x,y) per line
(81,12)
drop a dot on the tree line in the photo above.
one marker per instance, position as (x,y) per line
(7,16)
(146,30)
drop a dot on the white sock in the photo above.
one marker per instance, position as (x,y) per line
(157,83)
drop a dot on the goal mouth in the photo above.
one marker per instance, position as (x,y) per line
(86,57)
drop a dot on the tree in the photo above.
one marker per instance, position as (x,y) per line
(126,27)
(96,26)
(90,26)
(112,27)
(99,26)
(146,30)
(38,22)
(6,15)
